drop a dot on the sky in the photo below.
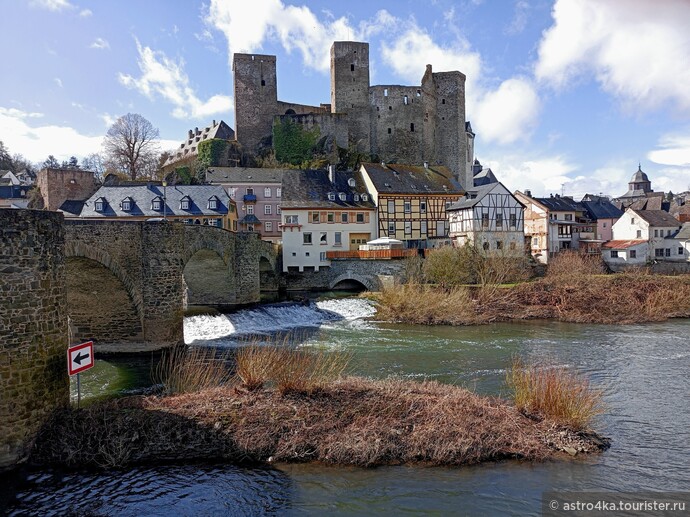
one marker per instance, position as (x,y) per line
(565,96)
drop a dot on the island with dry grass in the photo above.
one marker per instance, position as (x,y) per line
(282,405)
(451,289)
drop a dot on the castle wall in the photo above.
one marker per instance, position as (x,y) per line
(335,124)
(256,97)
(33,327)
(397,128)
(59,185)
(350,89)
(450,136)
(300,109)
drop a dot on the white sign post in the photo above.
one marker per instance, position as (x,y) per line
(79,358)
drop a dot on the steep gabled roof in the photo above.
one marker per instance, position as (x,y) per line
(657,218)
(397,178)
(560,204)
(476,194)
(601,208)
(310,189)
(189,147)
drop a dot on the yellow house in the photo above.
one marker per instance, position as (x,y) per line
(411,200)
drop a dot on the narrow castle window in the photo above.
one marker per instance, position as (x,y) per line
(419,93)
(385,92)
(263,83)
(443,101)
(390,108)
(389,131)
(405,100)
(352,68)
(412,127)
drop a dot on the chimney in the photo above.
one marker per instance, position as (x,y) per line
(196,130)
(528,193)
(214,123)
(190,134)
(331,174)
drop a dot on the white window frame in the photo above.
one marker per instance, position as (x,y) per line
(250,209)
(268,226)
(267,191)
(268,210)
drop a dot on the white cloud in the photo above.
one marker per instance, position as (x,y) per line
(162,76)
(85,13)
(542,174)
(100,44)
(58,81)
(37,142)
(674,150)
(520,17)
(51,5)
(108,119)
(635,49)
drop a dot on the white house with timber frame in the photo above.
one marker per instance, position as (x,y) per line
(488,217)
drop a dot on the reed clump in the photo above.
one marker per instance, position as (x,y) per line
(184,370)
(555,393)
(290,371)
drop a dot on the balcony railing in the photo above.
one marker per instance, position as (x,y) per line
(371,254)
(249,198)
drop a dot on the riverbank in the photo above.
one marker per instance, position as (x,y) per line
(621,298)
(352,421)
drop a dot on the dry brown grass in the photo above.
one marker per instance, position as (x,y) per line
(632,297)
(555,393)
(290,371)
(182,370)
(352,421)
(574,264)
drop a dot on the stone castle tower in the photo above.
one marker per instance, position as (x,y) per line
(402,124)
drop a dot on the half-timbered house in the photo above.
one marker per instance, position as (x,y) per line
(488,217)
(411,200)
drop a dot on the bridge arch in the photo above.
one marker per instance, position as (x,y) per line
(370,283)
(79,249)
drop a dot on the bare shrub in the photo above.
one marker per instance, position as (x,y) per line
(183,370)
(426,305)
(573,264)
(413,272)
(449,267)
(554,393)
(305,372)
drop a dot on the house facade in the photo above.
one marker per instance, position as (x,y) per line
(601,211)
(619,254)
(411,200)
(189,148)
(656,228)
(189,204)
(323,211)
(258,195)
(488,217)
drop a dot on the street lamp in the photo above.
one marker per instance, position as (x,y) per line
(165,199)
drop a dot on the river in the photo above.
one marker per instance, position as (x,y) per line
(643,370)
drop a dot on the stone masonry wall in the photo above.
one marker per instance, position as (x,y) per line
(373,274)
(33,327)
(59,185)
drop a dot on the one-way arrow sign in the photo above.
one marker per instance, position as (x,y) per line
(80,358)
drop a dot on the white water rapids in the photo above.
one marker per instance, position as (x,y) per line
(273,318)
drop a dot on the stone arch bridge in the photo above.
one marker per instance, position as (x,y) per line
(128,282)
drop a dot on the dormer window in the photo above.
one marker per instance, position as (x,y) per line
(331,196)
(185,203)
(100,204)
(365,197)
(213,203)
(126,204)
(157,204)
(342,196)
(356,197)
(351,182)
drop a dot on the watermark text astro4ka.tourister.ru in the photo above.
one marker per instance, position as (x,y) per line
(615,503)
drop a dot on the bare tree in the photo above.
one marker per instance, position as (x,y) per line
(94,163)
(131,144)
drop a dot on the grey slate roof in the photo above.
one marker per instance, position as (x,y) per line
(310,189)
(560,203)
(143,195)
(484,177)
(601,208)
(658,218)
(474,196)
(410,179)
(72,207)
(188,147)
(218,175)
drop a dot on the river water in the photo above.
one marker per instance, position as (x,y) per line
(643,370)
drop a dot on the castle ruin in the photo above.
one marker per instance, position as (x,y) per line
(401,124)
